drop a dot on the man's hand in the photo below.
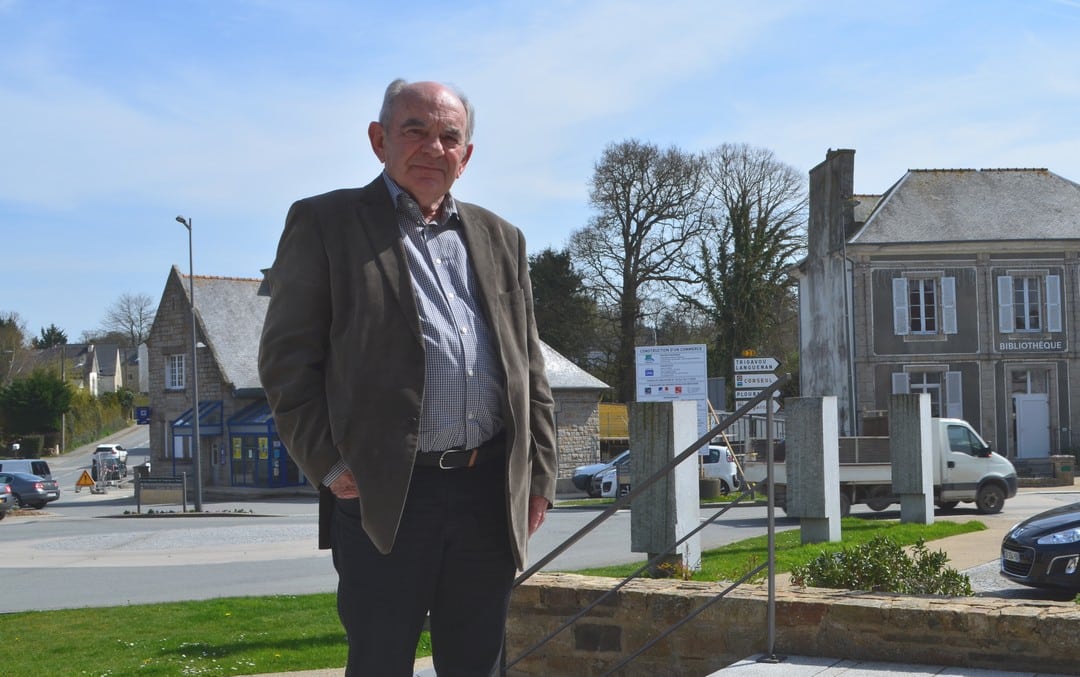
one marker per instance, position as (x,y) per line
(538,506)
(345,486)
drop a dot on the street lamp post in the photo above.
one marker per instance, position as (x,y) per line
(194,372)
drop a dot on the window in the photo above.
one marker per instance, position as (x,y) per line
(1029,303)
(924,305)
(174,372)
(963,441)
(945,389)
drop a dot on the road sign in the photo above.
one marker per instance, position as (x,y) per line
(747,394)
(752,364)
(754,380)
(761,407)
(85,480)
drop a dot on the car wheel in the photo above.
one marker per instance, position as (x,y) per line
(845,505)
(724,488)
(39,506)
(18,501)
(989,499)
(948,505)
(3,513)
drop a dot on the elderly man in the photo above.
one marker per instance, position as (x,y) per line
(401,360)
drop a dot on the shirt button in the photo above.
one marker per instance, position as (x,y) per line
(464,330)
(450,295)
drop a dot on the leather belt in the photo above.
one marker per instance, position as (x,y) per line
(455,459)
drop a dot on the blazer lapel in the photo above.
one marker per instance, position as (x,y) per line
(478,242)
(378,221)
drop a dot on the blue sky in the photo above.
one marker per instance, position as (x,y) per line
(117,116)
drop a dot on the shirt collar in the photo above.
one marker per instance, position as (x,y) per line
(447,211)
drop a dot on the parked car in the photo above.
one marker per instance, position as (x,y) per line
(1044,551)
(111,450)
(7,500)
(717,462)
(606,482)
(30,490)
(583,474)
(31,466)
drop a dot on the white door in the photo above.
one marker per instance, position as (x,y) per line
(1032,425)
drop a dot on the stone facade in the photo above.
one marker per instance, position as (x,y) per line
(577,418)
(971,632)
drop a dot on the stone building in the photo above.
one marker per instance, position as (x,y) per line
(955,283)
(237,437)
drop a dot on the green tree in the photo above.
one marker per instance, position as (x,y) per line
(51,336)
(565,313)
(35,404)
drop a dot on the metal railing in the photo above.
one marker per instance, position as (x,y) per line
(638,488)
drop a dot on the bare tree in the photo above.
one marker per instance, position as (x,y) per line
(131,315)
(755,207)
(646,199)
(12,340)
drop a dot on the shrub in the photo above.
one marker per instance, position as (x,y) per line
(882,565)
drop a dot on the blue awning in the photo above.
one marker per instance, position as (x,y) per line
(209,420)
(256,419)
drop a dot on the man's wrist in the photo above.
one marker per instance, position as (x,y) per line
(336,471)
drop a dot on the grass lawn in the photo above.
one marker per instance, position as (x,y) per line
(228,636)
(253,635)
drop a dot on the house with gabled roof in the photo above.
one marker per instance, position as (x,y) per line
(237,438)
(95,368)
(957,283)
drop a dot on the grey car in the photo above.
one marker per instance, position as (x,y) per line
(7,500)
(30,490)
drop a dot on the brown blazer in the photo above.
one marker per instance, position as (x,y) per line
(342,358)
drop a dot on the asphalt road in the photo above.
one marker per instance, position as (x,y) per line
(82,551)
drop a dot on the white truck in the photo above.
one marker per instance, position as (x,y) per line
(965,469)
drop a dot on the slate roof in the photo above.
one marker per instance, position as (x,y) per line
(231,315)
(565,375)
(960,205)
(231,312)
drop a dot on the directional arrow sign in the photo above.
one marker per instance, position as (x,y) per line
(746,394)
(760,407)
(751,364)
(755,380)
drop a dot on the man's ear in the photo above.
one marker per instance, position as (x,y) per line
(378,140)
(464,160)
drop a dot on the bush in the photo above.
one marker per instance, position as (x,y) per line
(882,565)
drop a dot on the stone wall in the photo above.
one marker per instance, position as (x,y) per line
(578,421)
(1002,634)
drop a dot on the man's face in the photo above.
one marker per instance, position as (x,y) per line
(424,148)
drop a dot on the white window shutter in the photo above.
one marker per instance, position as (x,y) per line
(900,383)
(954,395)
(901,320)
(1053,303)
(948,305)
(1006,321)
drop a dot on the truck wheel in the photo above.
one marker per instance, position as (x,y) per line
(845,505)
(989,499)
(878,499)
(948,505)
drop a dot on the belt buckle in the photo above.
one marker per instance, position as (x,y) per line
(443,455)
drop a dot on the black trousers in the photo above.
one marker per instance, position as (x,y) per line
(451,559)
